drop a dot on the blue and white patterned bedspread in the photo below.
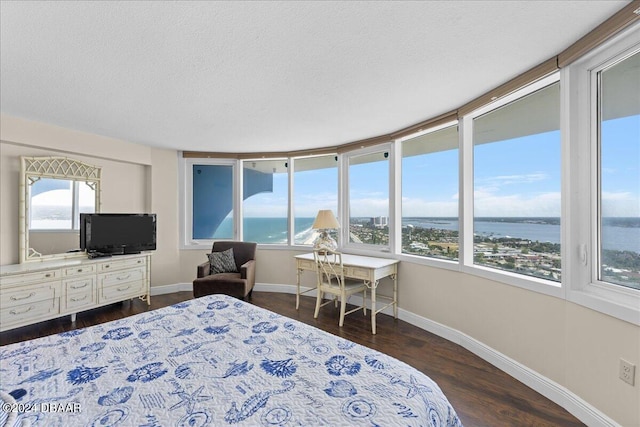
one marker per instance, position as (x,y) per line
(215,361)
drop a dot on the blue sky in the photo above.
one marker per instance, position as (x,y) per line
(621,167)
(517,177)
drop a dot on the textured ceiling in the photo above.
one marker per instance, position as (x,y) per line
(269,76)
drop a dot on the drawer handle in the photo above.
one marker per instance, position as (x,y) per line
(139,261)
(79,299)
(21,312)
(47,275)
(107,266)
(80,270)
(124,289)
(124,277)
(84,285)
(27,297)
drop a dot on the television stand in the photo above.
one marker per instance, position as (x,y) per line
(37,291)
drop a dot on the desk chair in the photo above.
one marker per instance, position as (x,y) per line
(330,272)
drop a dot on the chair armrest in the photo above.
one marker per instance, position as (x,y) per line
(248,271)
(204,269)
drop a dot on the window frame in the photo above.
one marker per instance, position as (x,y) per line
(292,189)
(344,198)
(584,286)
(240,196)
(466,206)
(186,200)
(423,259)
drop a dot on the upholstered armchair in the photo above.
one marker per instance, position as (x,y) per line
(223,274)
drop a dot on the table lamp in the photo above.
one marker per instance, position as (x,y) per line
(325,220)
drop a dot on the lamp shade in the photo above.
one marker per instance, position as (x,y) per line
(325,220)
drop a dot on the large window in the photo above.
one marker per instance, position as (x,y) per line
(430,194)
(619,172)
(315,186)
(603,172)
(368,183)
(212,201)
(265,193)
(516,175)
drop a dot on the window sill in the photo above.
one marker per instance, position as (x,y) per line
(534,284)
(622,304)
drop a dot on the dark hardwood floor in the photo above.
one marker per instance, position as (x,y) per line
(481,394)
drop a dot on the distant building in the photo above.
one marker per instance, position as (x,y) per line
(419,246)
(380,221)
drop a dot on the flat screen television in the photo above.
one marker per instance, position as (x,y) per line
(117,233)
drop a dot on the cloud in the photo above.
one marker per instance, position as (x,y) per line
(266,205)
(617,196)
(490,185)
(620,203)
(487,201)
(367,194)
(495,182)
(369,207)
(543,204)
(420,207)
(62,197)
(309,207)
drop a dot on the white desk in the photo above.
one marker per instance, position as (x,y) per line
(368,269)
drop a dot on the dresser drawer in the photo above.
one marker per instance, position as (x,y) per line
(40,276)
(79,284)
(80,300)
(122,291)
(29,313)
(79,269)
(29,294)
(119,277)
(120,264)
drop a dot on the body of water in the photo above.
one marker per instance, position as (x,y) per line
(268,230)
(617,234)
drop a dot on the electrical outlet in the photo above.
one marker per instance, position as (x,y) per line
(627,371)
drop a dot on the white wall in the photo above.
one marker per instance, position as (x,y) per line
(135,178)
(123,189)
(573,346)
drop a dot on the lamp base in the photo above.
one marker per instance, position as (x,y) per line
(324,242)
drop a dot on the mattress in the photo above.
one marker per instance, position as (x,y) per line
(213,361)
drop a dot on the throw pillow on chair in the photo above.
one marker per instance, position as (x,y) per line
(222,262)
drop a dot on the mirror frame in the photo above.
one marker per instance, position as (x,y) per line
(34,168)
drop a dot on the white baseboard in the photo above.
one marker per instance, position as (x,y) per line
(169,289)
(553,391)
(260,287)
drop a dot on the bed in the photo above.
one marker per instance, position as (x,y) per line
(213,361)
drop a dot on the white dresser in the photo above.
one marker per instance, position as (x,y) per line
(37,291)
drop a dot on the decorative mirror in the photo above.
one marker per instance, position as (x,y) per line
(53,193)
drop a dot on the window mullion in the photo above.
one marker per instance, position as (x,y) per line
(238,193)
(395,198)
(75,209)
(290,209)
(465,197)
